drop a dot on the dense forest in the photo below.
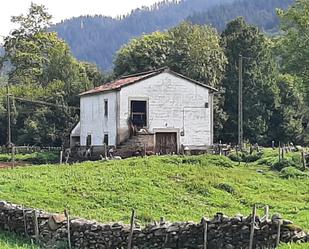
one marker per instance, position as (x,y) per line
(261,13)
(45,78)
(97,38)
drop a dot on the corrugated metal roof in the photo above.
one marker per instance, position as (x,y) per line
(131,79)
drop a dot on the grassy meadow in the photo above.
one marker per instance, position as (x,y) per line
(178,188)
(11,242)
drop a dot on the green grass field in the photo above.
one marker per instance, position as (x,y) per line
(12,242)
(177,188)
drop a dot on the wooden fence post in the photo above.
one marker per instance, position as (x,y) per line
(303,159)
(66,213)
(25,222)
(252,227)
(36,227)
(266,212)
(105,150)
(67,156)
(131,229)
(13,156)
(205,231)
(61,155)
(278,232)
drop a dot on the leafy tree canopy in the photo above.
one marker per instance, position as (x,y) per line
(42,68)
(260,93)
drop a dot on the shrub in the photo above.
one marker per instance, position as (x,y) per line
(269,161)
(226,187)
(291,172)
(203,160)
(192,160)
(34,158)
(245,156)
(234,157)
(218,161)
(284,163)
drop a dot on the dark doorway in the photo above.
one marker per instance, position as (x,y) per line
(139,113)
(166,143)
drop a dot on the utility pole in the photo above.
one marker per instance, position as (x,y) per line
(8,115)
(240,104)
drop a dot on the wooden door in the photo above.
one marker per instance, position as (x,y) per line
(166,143)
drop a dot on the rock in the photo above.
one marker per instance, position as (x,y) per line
(287,222)
(55,221)
(276,217)
(229,246)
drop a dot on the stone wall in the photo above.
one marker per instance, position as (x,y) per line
(222,232)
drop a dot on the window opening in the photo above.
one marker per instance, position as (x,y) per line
(139,113)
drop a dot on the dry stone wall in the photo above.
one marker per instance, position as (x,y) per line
(222,232)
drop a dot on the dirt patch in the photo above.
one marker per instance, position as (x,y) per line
(4,165)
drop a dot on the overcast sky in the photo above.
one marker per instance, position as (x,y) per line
(62,9)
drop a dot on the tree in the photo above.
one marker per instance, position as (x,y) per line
(196,53)
(188,49)
(95,75)
(43,69)
(286,123)
(294,44)
(145,53)
(259,74)
(293,52)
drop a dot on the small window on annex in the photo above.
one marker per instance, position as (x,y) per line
(106,108)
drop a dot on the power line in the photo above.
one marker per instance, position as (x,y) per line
(39,102)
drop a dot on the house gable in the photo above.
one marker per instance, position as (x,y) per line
(132,79)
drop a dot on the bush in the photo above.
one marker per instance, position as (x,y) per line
(269,161)
(284,163)
(291,172)
(34,158)
(245,156)
(192,160)
(218,161)
(203,160)
(226,187)
(43,158)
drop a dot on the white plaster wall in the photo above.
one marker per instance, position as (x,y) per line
(173,104)
(93,121)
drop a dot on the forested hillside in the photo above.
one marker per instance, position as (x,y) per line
(97,38)
(261,13)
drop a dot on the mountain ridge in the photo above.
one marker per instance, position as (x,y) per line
(94,30)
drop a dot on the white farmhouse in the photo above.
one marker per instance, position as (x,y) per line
(161,110)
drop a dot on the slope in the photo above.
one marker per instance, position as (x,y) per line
(174,187)
(97,38)
(261,13)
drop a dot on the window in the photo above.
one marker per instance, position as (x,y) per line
(88,141)
(106,108)
(105,141)
(139,113)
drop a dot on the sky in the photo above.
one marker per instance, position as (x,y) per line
(63,9)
